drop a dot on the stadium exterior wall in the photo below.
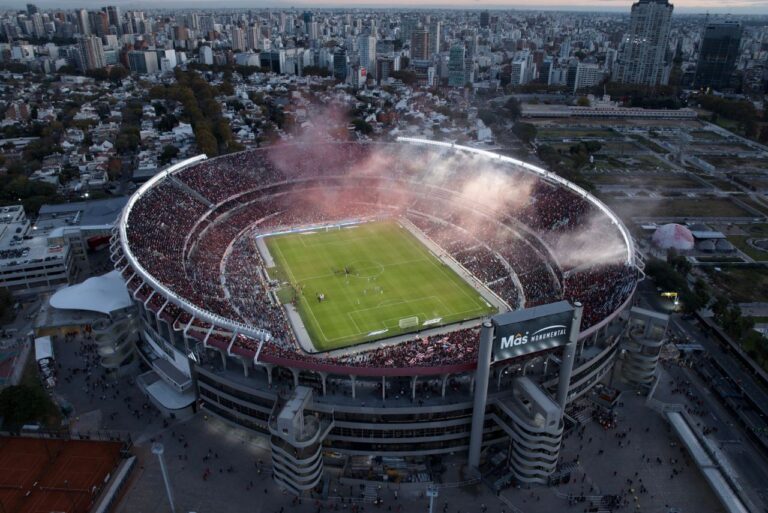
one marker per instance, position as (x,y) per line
(244,390)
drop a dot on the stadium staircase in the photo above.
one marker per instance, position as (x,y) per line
(370,494)
(584,417)
(189,190)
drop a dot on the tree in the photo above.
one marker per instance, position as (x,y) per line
(22,404)
(526,132)
(169,153)
(362,126)
(583,101)
(406,76)
(114,168)
(167,123)
(513,108)
(6,300)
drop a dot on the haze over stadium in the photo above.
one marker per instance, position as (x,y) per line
(363,256)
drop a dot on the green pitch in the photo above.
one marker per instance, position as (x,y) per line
(377,281)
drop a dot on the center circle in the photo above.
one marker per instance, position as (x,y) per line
(365,268)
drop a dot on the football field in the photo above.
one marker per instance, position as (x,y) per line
(367,282)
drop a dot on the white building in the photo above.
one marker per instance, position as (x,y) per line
(521,69)
(367,49)
(30,263)
(587,75)
(644,47)
(206,55)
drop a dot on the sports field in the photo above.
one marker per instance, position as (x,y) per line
(368,282)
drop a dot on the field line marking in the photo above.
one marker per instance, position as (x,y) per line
(301,296)
(384,267)
(440,267)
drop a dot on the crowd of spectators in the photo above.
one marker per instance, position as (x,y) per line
(208,256)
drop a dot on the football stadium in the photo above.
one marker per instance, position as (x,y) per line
(357,301)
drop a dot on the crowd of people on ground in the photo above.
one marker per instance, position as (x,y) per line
(208,256)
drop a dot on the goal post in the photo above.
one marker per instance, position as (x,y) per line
(408,322)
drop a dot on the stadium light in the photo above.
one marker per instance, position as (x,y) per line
(158,449)
(432,492)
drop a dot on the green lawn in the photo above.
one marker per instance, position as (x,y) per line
(742,284)
(657,181)
(373,277)
(704,206)
(740,241)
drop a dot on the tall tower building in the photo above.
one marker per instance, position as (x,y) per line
(92,53)
(434,37)
(407,27)
(253,37)
(340,64)
(115,18)
(420,45)
(644,48)
(718,54)
(99,22)
(83,23)
(485,19)
(238,39)
(367,48)
(456,66)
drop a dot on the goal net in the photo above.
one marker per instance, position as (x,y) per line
(409,322)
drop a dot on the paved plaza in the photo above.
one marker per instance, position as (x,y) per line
(640,449)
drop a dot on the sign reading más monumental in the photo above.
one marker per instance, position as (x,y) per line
(531,330)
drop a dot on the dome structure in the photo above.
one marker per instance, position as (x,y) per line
(673,236)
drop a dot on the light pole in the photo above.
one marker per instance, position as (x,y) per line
(432,492)
(158,450)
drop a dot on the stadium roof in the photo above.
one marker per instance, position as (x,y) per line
(526,314)
(43,348)
(104,294)
(82,213)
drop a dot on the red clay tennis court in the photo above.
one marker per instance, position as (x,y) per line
(45,475)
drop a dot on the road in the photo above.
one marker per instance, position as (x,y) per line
(747,459)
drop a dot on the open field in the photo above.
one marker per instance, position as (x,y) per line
(652,181)
(754,204)
(742,284)
(377,280)
(722,184)
(740,241)
(735,163)
(682,207)
(575,133)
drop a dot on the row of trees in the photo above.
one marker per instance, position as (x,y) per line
(198,98)
(743,112)
(671,275)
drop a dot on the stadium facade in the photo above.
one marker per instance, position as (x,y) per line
(215,337)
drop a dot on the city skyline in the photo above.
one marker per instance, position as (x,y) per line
(736,7)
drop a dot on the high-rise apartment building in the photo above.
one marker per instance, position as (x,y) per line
(718,54)
(115,18)
(83,23)
(238,39)
(367,49)
(340,67)
(456,66)
(407,27)
(485,19)
(92,53)
(644,48)
(143,63)
(435,34)
(420,45)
